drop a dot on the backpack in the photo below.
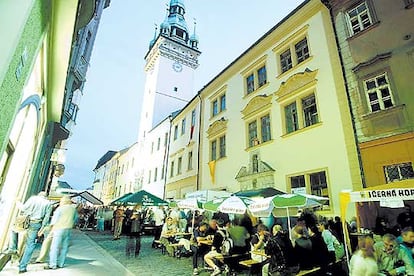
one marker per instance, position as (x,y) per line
(227,244)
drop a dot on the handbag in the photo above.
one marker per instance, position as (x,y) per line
(21,223)
(339,249)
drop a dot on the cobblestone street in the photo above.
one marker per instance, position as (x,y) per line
(149,262)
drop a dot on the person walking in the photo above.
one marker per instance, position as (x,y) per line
(38,208)
(63,220)
(133,244)
(119,215)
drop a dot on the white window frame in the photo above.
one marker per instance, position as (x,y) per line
(398,166)
(300,116)
(358,18)
(377,90)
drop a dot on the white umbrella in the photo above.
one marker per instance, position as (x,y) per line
(264,207)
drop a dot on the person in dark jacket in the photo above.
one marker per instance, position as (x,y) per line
(320,254)
(282,260)
(133,243)
(302,248)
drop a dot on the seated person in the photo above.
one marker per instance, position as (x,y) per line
(391,258)
(239,235)
(406,240)
(215,254)
(258,242)
(167,234)
(280,250)
(197,247)
(212,227)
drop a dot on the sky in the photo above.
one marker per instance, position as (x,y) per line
(109,113)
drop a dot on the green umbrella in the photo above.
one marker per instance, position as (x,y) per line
(118,201)
(143,198)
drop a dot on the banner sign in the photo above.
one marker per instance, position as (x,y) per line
(381,195)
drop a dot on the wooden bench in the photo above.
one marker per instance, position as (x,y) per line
(159,245)
(175,246)
(251,265)
(309,271)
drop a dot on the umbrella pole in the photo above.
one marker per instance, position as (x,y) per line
(289,226)
(192,222)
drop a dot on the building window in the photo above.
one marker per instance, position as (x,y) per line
(379,92)
(213,150)
(152,147)
(293,51)
(158,143)
(149,177)
(250,83)
(291,118)
(155,174)
(302,50)
(172,169)
(255,76)
(175,132)
(310,112)
(222,152)
(262,76)
(193,117)
(253,140)
(179,165)
(359,18)
(265,127)
(190,161)
(222,102)
(308,116)
(218,105)
(183,126)
(215,107)
(255,163)
(256,137)
(398,172)
(162,172)
(286,61)
(165,139)
(315,183)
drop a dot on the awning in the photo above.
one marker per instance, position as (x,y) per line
(89,197)
(263,192)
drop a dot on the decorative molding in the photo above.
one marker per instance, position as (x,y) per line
(374,60)
(295,82)
(217,127)
(247,173)
(257,104)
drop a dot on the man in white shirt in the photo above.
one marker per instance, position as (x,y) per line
(63,220)
(38,208)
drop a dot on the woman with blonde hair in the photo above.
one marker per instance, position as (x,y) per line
(363,261)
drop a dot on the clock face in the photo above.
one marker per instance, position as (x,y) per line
(177,67)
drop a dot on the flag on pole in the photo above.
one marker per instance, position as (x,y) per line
(212,166)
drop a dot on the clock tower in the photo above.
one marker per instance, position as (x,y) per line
(170,64)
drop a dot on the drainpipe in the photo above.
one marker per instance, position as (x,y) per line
(327,3)
(199,146)
(167,153)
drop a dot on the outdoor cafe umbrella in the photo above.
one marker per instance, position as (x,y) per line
(118,201)
(263,207)
(231,204)
(190,203)
(143,198)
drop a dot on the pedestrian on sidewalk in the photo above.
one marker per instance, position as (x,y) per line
(119,215)
(38,208)
(63,220)
(133,243)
